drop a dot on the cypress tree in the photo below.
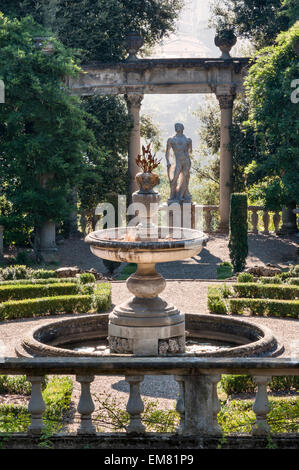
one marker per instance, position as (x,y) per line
(238,231)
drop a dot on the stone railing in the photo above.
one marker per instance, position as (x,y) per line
(255,219)
(197,404)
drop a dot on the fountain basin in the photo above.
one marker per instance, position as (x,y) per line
(140,324)
(54,338)
(112,244)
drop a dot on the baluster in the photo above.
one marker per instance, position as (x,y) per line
(276,221)
(266,220)
(215,378)
(254,220)
(261,406)
(180,405)
(135,405)
(85,405)
(208,219)
(36,405)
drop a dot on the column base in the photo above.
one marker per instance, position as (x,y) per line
(49,256)
(223,228)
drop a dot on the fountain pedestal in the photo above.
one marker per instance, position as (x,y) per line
(146,324)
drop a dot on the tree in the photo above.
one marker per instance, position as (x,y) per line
(43,132)
(273,173)
(238,231)
(257,20)
(207,175)
(106,165)
(97,28)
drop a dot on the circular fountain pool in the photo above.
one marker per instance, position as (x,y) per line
(206,336)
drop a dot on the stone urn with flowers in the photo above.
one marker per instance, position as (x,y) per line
(147,200)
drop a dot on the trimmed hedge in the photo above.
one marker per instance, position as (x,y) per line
(237,384)
(216,303)
(270,280)
(87,278)
(99,301)
(19,292)
(245,277)
(50,280)
(265,307)
(294,281)
(23,272)
(268,291)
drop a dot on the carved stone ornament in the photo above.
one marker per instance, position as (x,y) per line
(134,100)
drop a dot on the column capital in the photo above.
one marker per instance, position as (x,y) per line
(226,101)
(134,99)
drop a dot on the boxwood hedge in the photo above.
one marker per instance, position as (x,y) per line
(265,307)
(19,292)
(266,291)
(98,301)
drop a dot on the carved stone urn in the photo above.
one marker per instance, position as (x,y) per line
(147,203)
(225,40)
(133,43)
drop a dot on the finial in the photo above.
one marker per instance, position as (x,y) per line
(134,42)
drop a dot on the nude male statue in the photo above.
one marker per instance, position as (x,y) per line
(182,149)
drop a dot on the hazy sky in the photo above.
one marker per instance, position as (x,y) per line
(193,38)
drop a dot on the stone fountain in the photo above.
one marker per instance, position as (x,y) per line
(146,324)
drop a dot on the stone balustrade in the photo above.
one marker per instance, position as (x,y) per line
(198,404)
(257,222)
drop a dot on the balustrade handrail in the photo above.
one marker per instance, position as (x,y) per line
(198,404)
(148,366)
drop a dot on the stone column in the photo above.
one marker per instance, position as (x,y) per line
(1,242)
(289,220)
(47,242)
(134,105)
(226,159)
(46,233)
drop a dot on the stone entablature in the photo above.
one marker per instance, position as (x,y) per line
(160,76)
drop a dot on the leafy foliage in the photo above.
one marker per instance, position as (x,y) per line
(57,397)
(274,119)
(43,132)
(238,416)
(257,20)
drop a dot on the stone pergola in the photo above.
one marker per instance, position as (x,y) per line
(135,77)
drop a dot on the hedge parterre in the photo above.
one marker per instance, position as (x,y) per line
(221,301)
(97,301)
(20,292)
(266,291)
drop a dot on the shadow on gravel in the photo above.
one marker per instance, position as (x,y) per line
(153,386)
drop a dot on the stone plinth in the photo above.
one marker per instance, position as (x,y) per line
(47,242)
(139,325)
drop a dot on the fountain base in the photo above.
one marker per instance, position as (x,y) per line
(141,326)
